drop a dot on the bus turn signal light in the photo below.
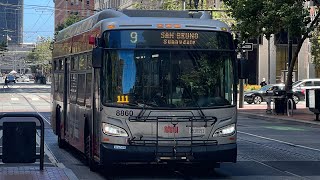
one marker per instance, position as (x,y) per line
(111,26)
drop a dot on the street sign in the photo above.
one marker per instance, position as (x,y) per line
(247,46)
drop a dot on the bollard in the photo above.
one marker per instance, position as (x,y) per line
(269,110)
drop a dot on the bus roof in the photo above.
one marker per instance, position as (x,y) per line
(143,19)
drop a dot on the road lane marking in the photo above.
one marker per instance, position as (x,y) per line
(14,99)
(279,141)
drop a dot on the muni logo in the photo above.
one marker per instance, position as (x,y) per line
(171,129)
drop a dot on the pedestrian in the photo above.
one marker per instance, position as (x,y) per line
(6,81)
(263,82)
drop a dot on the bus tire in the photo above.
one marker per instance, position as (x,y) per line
(87,149)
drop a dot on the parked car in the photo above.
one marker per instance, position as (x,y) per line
(261,95)
(304,84)
(23,78)
(11,78)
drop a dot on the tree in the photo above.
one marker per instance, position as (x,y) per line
(315,48)
(271,17)
(42,54)
(68,21)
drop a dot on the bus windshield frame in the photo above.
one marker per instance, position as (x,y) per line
(162,78)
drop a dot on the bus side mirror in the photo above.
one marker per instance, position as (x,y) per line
(97,55)
(243,68)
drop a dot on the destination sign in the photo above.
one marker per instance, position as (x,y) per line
(179,38)
(168,39)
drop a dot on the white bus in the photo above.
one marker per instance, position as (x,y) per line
(146,86)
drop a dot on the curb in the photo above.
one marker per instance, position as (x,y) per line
(266,117)
(70,174)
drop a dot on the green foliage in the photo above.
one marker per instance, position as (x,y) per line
(272,16)
(315,47)
(68,21)
(42,54)
(269,17)
(171,5)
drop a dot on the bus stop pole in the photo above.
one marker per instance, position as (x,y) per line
(241,85)
(241,82)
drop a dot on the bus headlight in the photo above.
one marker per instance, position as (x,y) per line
(112,130)
(225,131)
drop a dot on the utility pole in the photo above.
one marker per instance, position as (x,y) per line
(289,52)
(269,68)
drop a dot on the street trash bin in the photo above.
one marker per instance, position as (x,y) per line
(279,101)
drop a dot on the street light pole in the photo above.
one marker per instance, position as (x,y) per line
(269,75)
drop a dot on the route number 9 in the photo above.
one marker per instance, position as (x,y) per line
(134,37)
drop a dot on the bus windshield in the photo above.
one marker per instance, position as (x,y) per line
(167,79)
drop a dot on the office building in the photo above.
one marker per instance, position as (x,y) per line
(65,8)
(11,21)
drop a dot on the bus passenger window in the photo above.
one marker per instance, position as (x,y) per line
(74,63)
(60,64)
(55,67)
(89,61)
(61,87)
(82,62)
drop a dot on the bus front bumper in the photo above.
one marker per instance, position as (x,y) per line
(111,153)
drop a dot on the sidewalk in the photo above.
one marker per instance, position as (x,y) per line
(33,173)
(301,114)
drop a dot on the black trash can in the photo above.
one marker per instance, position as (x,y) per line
(280,105)
(279,101)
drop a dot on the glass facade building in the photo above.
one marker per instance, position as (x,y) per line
(11,21)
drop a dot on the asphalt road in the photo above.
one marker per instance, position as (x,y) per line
(267,149)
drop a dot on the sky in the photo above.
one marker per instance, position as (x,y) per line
(38,19)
